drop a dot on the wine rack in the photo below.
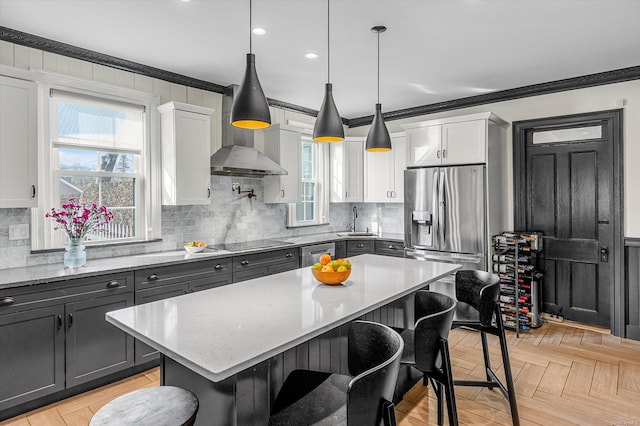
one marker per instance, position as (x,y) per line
(515,260)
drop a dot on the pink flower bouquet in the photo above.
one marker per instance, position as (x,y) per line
(79,219)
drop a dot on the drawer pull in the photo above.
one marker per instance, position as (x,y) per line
(360,245)
(153,277)
(113,284)
(289,255)
(244,262)
(6,301)
(218,267)
(393,248)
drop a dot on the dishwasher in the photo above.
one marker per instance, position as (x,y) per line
(311,254)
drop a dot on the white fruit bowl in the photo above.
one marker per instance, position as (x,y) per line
(194,249)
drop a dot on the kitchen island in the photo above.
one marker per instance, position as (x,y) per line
(234,345)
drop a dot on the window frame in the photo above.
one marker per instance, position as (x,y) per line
(44,237)
(321,187)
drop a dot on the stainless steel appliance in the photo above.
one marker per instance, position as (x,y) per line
(445,215)
(311,254)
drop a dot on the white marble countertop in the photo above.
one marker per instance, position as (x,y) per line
(39,274)
(222,331)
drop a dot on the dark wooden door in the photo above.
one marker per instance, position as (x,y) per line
(566,194)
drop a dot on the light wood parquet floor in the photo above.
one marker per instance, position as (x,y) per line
(565,374)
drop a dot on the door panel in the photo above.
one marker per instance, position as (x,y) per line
(568,199)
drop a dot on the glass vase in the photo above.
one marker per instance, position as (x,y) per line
(74,255)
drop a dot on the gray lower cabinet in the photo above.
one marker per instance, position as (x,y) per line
(95,348)
(31,354)
(163,282)
(356,247)
(246,267)
(341,249)
(55,336)
(390,248)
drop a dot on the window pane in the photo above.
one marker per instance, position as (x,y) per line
(299,212)
(308,211)
(568,135)
(308,191)
(96,124)
(91,160)
(116,194)
(307,152)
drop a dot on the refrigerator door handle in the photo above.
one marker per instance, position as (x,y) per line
(442,220)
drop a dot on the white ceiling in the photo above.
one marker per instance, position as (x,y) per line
(434,50)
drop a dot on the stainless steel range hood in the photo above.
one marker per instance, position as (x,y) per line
(238,157)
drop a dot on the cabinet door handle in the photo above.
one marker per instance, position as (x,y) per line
(33,191)
(360,245)
(153,277)
(6,301)
(208,192)
(113,284)
(393,194)
(244,262)
(282,192)
(69,320)
(218,267)
(438,154)
(444,153)
(288,255)
(59,322)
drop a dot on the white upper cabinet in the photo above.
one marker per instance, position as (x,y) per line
(18,143)
(384,173)
(283,144)
(464,142)
(450,141)
(347,170)
(424,146)
(186,150)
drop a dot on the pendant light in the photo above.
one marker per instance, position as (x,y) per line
(328,127)
(378,138)
(250,109)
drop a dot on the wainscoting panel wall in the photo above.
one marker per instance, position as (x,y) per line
(632,287)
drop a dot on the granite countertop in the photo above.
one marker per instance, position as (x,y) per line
(222,331)
(40,274)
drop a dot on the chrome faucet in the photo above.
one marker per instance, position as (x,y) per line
(355,215)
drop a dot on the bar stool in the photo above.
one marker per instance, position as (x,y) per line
(426,348)
(156,406)
(364,398)
(478,309)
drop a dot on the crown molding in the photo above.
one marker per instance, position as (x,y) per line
(608,77)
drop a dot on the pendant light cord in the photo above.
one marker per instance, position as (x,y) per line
(328,44)
(250,27)
(378,67)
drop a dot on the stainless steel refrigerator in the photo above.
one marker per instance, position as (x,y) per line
(445,215)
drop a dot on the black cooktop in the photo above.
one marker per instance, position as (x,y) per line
(250,245)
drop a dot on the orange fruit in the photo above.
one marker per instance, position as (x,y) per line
(328,268)
(325,258)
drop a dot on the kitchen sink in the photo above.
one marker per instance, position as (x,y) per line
(356,234)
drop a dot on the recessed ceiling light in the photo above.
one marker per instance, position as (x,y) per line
(185,1)
(311,55)
(259,31)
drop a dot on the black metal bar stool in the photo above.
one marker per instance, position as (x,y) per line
(478,309)
(427,349)
(157,406)
(363,398)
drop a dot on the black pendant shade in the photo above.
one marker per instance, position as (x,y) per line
(378,138)
(328,127)
(250,109)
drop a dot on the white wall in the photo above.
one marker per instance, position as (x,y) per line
(598,98)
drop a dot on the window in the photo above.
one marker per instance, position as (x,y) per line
(97,150)
(313,206)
